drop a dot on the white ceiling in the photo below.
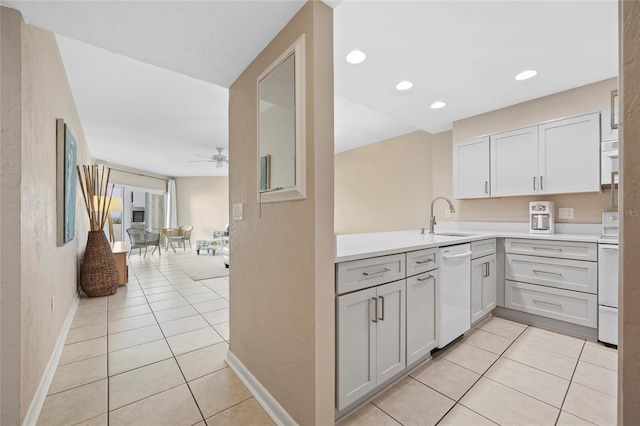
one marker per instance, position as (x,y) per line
(467,54)
(464,53)
(145,117)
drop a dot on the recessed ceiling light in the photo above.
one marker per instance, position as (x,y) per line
(438,105)
(404,85)
(356,57)
(524,75)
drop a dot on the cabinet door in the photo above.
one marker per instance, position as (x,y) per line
(489,285)
(570,155)
(391,336)
(478,269)
(356,345)
(421,315)
(471,168)
(483,286)
(514,162)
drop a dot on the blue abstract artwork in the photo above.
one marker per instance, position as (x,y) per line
(67,147)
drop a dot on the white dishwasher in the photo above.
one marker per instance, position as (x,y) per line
(454,293)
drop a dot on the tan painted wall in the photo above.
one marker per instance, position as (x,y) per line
(282,285)
(384,186)
(588,208)
(10,153)
(45,270)
(629,313)
(203,202)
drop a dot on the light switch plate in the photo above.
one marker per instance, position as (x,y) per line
(237,211)
(447,212)
(565,213)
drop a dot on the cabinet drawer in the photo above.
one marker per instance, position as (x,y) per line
(421,261)
(483,248)
(560,249)
(564,305)
(364,273)
(575,275)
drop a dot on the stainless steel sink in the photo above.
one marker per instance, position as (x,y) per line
(454,234)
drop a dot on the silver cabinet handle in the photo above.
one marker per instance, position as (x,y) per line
(548,303)
(547,249)
(486,270)
(456,256)
(382,300)
(486,187)
(614,95)
(368,274)
(375,317)
(547,272)
(541,187)
(428,277)
(422,262)
(534,183)
(609,248)
(614,204)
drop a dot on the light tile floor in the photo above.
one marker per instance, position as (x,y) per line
(503,372)
(152,354)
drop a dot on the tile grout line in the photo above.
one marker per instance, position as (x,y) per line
(481,376)
(570,383)
(186,382)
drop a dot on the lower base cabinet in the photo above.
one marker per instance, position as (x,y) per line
(421,315)
(483,286)
(371,339)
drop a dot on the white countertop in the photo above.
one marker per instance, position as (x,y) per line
(362,246)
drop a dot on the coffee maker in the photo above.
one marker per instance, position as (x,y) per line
(541,217)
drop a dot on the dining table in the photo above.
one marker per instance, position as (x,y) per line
(167,233)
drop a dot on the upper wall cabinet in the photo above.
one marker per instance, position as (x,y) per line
(471,168)
(558,157)
(569,155)
(514,162)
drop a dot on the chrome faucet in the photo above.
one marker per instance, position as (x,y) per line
(432,223)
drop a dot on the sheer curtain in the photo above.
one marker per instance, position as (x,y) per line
(172,210)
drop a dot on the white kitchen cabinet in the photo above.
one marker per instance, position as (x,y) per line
(421,315)
(514,162)
(371,339)
(483,286)
(471,168)
(557,157)
(391,336)
(569,155)
(356,346)
(608,133)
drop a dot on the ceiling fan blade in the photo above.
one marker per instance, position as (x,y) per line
(199,161)
(200,155)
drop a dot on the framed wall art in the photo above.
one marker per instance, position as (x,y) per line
(66,177)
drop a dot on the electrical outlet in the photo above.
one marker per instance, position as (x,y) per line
(53,304)
(447,212)
(565,213)
(237,211)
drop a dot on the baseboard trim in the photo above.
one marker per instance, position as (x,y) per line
(37,402)
(278,414)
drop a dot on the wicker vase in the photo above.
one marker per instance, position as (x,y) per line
(99,274)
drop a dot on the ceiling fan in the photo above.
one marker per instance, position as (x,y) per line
(218,158)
